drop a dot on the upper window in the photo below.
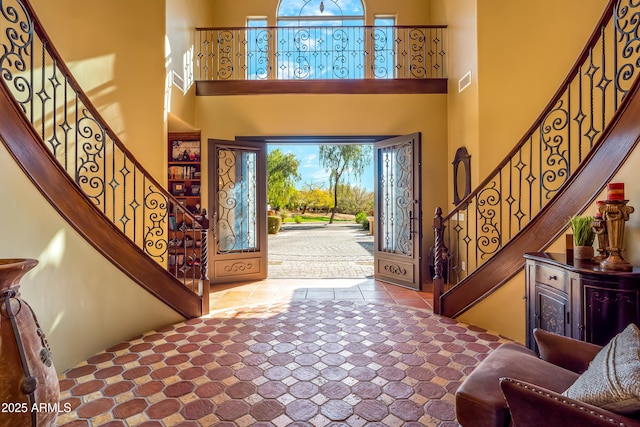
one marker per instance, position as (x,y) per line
(320,12)
(257,66)
(320,39)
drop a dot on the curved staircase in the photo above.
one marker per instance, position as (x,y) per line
(81,167)
(555,171)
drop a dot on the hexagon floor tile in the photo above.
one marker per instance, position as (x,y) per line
(302,363)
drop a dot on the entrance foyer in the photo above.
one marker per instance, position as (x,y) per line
(237,202)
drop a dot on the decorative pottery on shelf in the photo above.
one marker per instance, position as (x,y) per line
(29,389)
(583,252)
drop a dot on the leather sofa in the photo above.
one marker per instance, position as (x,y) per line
(514,384)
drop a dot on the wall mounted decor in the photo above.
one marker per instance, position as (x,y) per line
(461,175)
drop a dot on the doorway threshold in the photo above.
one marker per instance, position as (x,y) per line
(270,291)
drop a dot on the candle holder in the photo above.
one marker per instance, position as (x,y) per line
(615,213)
(599,227)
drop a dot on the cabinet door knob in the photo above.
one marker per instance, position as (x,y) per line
(554,277)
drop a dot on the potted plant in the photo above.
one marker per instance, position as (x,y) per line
(583,236)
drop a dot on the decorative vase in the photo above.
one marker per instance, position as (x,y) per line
(599,227)
(29,389)
(583,252)
(615,213)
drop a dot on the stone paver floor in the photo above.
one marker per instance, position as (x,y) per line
(339,250)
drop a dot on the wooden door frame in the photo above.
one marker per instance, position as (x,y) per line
(315,139)
(238,266)
(397,267)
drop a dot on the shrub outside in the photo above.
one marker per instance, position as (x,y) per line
(273,224)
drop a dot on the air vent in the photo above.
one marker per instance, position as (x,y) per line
(464,82)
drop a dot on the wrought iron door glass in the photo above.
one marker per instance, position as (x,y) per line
(396,189)
(237,227)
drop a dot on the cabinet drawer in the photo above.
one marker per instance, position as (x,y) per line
(553,277)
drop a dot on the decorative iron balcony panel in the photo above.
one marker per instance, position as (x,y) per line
(321,53)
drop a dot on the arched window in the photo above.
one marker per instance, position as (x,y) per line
(320,39)
(320,12)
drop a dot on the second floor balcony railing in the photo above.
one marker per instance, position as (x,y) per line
(321,53)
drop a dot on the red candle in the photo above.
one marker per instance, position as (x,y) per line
(599,204)
(615,191)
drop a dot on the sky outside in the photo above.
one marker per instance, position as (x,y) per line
(312,172)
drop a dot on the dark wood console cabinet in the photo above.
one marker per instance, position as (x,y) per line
(578,299)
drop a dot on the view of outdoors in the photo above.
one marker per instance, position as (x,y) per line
(320,200)
(302,179)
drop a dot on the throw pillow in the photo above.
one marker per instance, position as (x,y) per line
(612,381)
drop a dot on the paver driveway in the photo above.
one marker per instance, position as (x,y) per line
(339,250)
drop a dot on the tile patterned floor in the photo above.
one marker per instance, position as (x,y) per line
(275,290)
(307,362)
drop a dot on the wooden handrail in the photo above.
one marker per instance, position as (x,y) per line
(23,142)
(275,27)
(603,162)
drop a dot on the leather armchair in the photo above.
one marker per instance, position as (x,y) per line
(532,405)
(513,386)
(565,352)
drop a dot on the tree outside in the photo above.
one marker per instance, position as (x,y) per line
(340,160)
(314,197)
(353,199)
(282,175)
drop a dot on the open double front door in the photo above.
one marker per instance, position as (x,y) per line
(238,208)
(398,224)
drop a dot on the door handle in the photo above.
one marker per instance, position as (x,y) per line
(411,225)
(412,218)
(214,224)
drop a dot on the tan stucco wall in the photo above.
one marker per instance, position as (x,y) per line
(525,51)
(83,303)
(462,54)
(517,65)
(115,49)
(182,16)
(233,13)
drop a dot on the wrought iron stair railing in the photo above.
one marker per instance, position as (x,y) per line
(543,162)
(83,144)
